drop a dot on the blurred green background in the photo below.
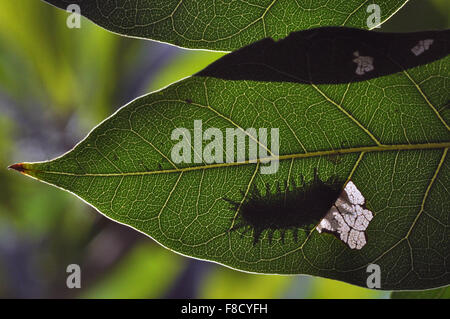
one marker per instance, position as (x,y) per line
(56,84)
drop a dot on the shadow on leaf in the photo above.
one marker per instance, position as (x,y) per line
(331,55)
(291,207)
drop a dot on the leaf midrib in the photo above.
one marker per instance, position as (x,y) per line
(364,149)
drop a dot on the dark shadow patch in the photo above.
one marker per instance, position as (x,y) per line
(326,55)
(291,207)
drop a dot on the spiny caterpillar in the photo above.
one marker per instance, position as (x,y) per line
(291,208)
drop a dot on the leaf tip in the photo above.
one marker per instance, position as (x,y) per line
(20,167)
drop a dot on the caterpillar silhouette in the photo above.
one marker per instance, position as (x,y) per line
(292,208)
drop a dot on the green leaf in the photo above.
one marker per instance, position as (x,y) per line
(224,25)
(388,134)
(440,293)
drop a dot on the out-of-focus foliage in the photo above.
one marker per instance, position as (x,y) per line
(185,64)
(147,271)
(55,84)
